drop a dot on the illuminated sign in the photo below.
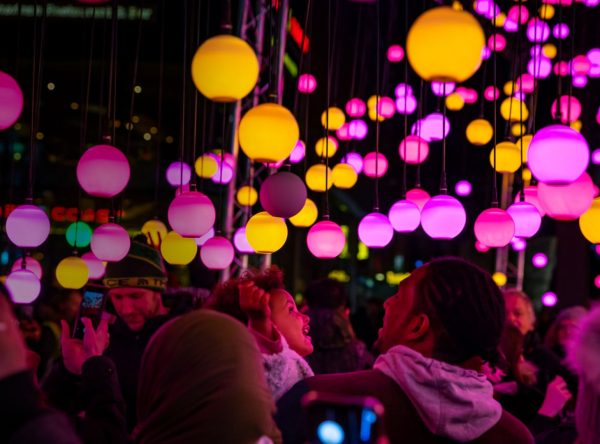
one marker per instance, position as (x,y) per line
(69,214)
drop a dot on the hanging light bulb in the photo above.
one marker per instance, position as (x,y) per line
(325,239)
(191,214)
(155,231)
(405,216)
(95,266)
(480,132)
(413,150)
(589,223)
(110,242)
(178,250)
(526,217)
(11,101)
(344,176)
(494,227)
(103,171)
(79,234)
(31,264)
(567,202)
(443,217)
(307,215)
(265,233)
(240,241)
(23,286)
(375,230)
(27,226)
(217,253)
(283,194)
(316,175)
(72,273)
(418,196)
(336,118)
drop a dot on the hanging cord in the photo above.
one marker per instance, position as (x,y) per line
(355,63)
(404,165)
(11,170)
(101,89)
(558,114)
(335,54)
(520,69)
(220,207)
(308,31)
(326,211)
(572,57)
(377,92)
(302,43)
(195,125)
(161,69)
(536,71)
(204,103)
(110,124)
(183,95)
(495,174)
(443,181)
(483,86)
(421,111)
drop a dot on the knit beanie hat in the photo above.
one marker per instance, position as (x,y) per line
(143,267)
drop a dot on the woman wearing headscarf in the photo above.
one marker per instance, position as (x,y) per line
(202,380)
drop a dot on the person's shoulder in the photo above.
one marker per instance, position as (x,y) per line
(507,430)
(363,382)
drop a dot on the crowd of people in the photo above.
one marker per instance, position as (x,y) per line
(455,360)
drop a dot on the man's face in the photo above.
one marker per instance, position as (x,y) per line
(519,313)
(135,305)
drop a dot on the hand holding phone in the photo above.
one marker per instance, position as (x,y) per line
(92,307)
(76,351)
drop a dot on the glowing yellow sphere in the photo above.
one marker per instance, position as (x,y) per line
(307,215)
(455,102)
(336,118)
(480,132)
(510,88)
(500,279)
(577,125)
(549,50)
(206,166)
(514,110)
(72,272)
(546,12)
(225,68)
(526,141)
(508,157)
(500,20)
(445,45)
(178,250)
(518,129)
(456,5)
(373,115)
(589,222)
(155,231)
(344,176)
(326,146)
(268,133)
(372,101)
(526,175)
(315,177)
(246,196)
(265,233)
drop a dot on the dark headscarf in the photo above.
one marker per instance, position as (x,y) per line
(202,380)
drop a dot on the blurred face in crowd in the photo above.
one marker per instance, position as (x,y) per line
(293,325)
(135,305)
(519,313)
(567,330)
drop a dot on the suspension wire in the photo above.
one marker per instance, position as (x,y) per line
(404,165)
(421,107)
(377,95)
(161,69)
(301,65)
(194,181)
(495,174)
(112,77)
(326,211)
(183,95)
(443,181)
(572,58)
(558,113)
(204,104)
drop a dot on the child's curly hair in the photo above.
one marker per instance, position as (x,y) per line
(226,297)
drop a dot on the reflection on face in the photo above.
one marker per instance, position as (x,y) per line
(135,305)
(292,324)
(519,313)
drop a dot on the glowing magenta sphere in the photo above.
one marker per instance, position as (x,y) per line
(283,194)
(31,264)
(386,107)
(343,132)
(496,42)
(526,217)
(568,113)
(526,83)
(539,67)
(206,236)
(579,81)
(463,188)
(549,299)
(490,93)
(395,53)
(110,242)
(443,217)
(510,25)
(27,226)
(103,171)
(413,150)
(355,160)
(403,89)
(481,247)
(375,164)
(418,196)
(487,8)
(191,214)
(298,152)
(558,154)
(375,230)
(596,156)
(538,31)
(325,239)
(356,107)
(358,129)
(11,101)
(494,227)
(580,65)
(443,88)
(539,260)
(597,281)
(518,244)
(404,216)
(240,241)
(567,202)
(485,53)
(224,173)
(406,104)
(561,68)
(95,266)
(307,83)
(178,173)
(593,56)
(217,253)
(469,95)
(431,127)
(531,196)
(518,12)
(23,286)
(560,31)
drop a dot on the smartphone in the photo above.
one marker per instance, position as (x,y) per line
(341,419)
(92,306)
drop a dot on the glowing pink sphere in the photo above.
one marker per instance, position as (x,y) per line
(482,248)
(494,227)
(206,236)
(395,53)
(403,89)
(413,150)
(31,264)
(558,154)
(224,173)
(596,156)
(298,152)
(23,286)
(539,67)
(405,216)
(518,244)
(469,95)
(567,202)
(110,242)
(443,217)
(358,129)
(11,101)
(217,253)
(418,196)
(406,104)
(518,12)
(95,266)
(355,160)
(443,88)
(580,65)
(240,241)
(463,188)
(526,83)
(579,81)
(597,281)
(593,56)
(386,107)
(496,42)
(549,299)
(178,173)
(191,214)
(568,113)
(561,68)
(526,217)
(375,164)
(491,93)
(432,127)
(560,31)
(325,239)
(283,194)
(485,53)
(356,107)
(531,196)
(343,132)
(538,31)
(510,25)
(539,260)
(103,171)
(487,8)
(375,230)
(307,83)
(27,226)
